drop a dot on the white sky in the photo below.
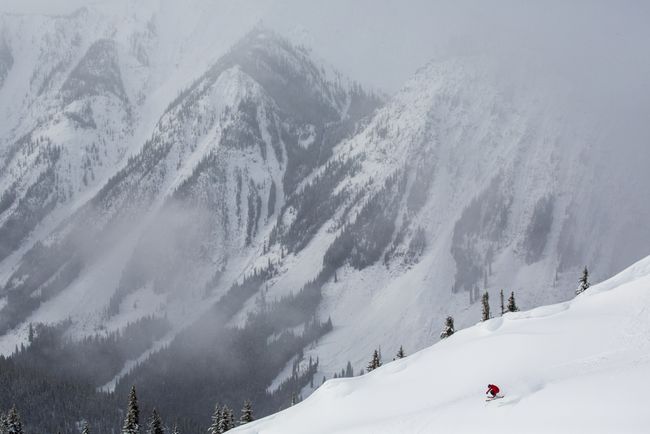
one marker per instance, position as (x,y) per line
(383,42)
(41,6)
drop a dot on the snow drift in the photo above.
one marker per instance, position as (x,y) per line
(577,366)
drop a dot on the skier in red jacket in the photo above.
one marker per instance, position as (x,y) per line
(492,391)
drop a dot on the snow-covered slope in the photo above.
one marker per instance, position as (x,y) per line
(577,366)
(151,165)
(80,93)
(463,183)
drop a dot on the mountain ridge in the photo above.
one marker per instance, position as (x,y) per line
(263,197)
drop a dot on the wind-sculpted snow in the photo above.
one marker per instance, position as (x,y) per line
(592,350)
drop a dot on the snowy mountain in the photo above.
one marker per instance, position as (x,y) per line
(190,184)
(221,158)
(80,93)
(576,366)
(459,185)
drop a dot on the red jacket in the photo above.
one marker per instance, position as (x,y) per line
(492,389)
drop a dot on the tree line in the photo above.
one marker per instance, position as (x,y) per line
(510,306)
(223,420)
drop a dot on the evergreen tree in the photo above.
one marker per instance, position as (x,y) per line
(375,362)
(4,424)
(132,419)
(155,424)
(175,430)
(349,372)
(449,328)
(216,421)
(503,308)
(14,426)
(584,282)
(486,306)
(85,429)
(226,419)
(400,353)
(246,413)
(231,419)
(512,306)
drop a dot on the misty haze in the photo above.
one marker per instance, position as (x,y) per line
(301,217)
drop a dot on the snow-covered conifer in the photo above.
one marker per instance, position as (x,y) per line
(375,361)
(449,328)
(13,423)
(226,421)
(584,282)
(216,421)
(231,419)
(512,306)
(132,419)
(3,423)
(400,353)
(246,413)
(155,424)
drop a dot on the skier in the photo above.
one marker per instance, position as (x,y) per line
(492,391)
